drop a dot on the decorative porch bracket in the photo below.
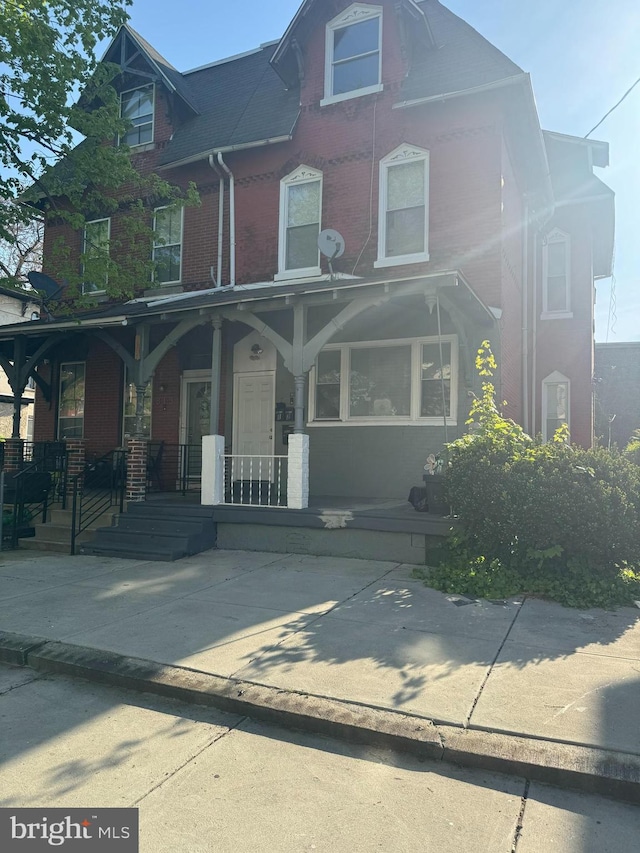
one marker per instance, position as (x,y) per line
(19,371)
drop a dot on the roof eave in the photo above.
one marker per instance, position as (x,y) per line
(225,149)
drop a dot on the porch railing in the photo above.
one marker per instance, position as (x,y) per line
(173,467)
(255,480)
(30,492)
(100,487)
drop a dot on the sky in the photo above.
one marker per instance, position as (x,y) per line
(582,55)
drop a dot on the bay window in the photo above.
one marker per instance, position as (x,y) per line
(400,381)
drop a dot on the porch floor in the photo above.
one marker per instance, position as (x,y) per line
(328,512)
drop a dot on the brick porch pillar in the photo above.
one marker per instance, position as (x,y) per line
(13,454)
(75,462)
(136,470)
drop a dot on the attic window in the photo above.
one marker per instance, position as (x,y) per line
(353,53)
(136,107)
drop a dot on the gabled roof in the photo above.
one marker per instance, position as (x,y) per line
(170,76)
(462,59)
(241,103)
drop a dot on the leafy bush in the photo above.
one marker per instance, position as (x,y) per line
(547,519)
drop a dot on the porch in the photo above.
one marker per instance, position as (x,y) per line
(331,526)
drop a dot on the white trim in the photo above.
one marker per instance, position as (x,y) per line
(355,14)
(106,219)
(164,245)
(404,153)
(556,236)
(413,418)
(301,175)
(554,378)
(149,142)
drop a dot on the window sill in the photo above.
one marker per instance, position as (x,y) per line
(403,422)
(307,272)
(556,315)
(141,148)
(402,260)
(347,96)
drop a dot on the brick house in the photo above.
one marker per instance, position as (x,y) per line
(396,125)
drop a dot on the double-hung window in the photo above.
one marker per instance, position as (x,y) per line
(71,400)
(385,382)
(136,107)
(555,404)
(95,254)
(556,267)
(167,245)
(403,216)
(300,216)
(353,53)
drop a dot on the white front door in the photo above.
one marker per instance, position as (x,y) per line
(253,421)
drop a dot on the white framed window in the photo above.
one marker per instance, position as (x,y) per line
(129,407)
(405,381)
(167,244)
(556,276)
(300,218)
(71,400)
(403,214)
(555,404)
(353,54)
(137,107)
(95,255)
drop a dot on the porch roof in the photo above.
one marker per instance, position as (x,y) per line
(260,295)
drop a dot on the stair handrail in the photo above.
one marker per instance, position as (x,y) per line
(101,485)
(52,461)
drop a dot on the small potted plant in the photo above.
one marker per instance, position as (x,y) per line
(434,481)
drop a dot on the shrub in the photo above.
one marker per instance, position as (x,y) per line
(548,519)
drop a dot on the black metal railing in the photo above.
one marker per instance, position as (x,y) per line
(173,467)
(30,492)
(101,486)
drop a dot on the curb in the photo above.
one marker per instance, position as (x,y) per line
(566,765)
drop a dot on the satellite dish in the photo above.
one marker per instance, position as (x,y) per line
(44,284)
(331,244)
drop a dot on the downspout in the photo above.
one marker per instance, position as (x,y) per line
(525,320)
(232,220)
(213,165)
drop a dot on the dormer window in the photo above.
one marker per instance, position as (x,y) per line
(136,107)
(354,53)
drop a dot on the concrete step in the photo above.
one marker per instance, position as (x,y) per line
(33,544)
(142,524)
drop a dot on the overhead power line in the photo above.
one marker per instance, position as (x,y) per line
(615,107)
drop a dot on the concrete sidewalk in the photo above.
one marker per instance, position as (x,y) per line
(355,648)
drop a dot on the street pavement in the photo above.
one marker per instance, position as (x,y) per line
(354,631)
(209,782)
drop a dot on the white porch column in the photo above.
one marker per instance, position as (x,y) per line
(298,472)
(212,470)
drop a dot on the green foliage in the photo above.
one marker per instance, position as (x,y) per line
(546,519)
(632,450)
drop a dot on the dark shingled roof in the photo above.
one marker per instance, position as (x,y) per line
(240,101)
(461,60)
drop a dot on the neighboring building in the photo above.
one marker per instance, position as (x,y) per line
(399,126)
(16,307)
(617,392)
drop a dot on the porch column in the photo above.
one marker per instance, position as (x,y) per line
(298,403)
(212,485)
(298,472)
(139,426)
(136,470)
(17,413)
(216,355)
(13,454)
(75,462)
